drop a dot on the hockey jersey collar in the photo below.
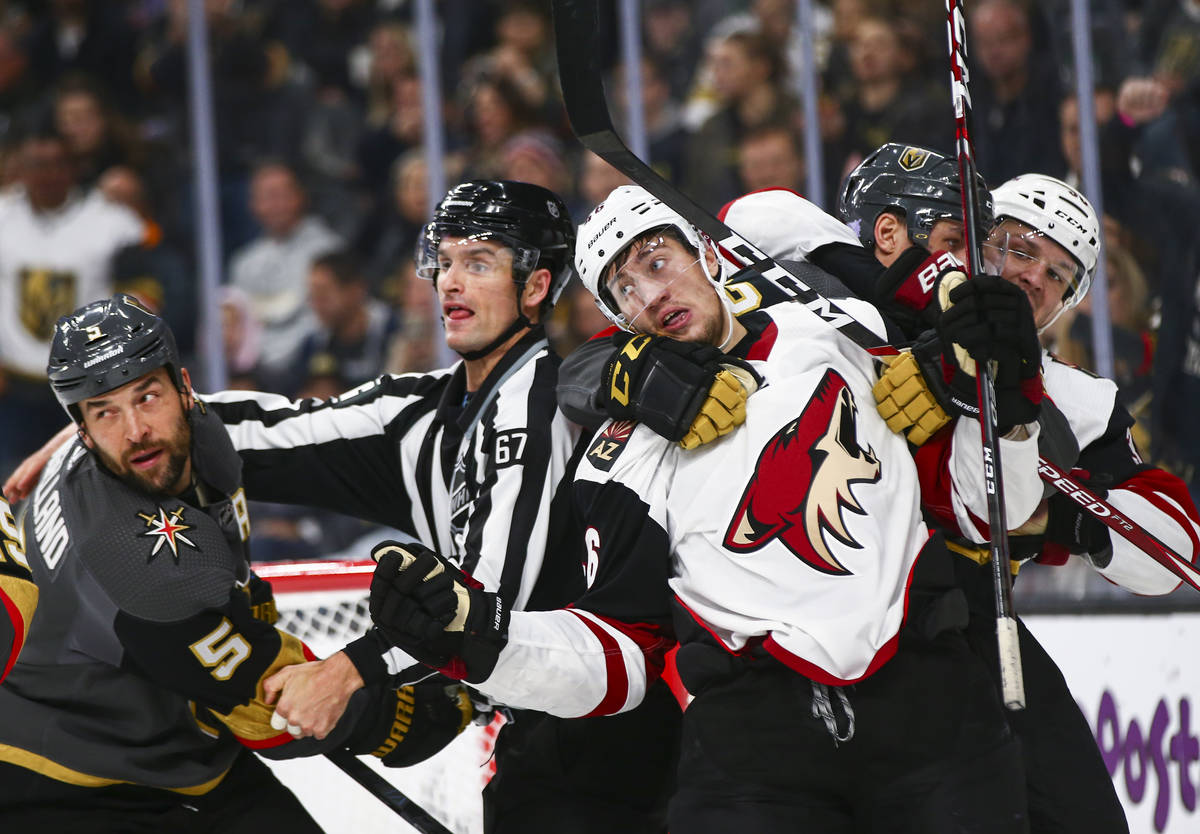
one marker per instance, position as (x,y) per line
(761,333)
(451,407)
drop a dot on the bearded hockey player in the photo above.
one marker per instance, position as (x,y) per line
(137,698)
(810,600)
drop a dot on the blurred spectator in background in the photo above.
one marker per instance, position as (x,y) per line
(154,272)
(770,157)
(888,103)
(273,269)
(19,89)
(241,339)
(57,246)
(98,136)
(258,110)
(354,335)
(747,73)
(673,39)
(390,237)
(92,38)
(536,157)
(1171,49)
(1015,92)
(390,137)
(389,57)
(497,111)
(597,179)
(416,348)
(663,117)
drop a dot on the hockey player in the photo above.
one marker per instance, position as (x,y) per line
(18,594)
(1047,242)
(788,554)
(474,460)
(137,698)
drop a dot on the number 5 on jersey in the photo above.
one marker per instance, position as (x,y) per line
(221,651)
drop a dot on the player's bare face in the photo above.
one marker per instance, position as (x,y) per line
(475,290)
(661,289)
(1035,263)
(141,435)
(948,235)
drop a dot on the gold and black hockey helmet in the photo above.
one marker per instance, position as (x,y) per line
(920,182)
(105,344)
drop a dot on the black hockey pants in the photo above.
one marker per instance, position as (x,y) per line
(920,747)
(249,800)
(605,775)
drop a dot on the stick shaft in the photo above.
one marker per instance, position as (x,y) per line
(387,793)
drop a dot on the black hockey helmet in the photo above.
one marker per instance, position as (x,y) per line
(920,182)
(105,344)
(531,220)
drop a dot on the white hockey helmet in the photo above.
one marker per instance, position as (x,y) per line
(616,222)
(1053,208)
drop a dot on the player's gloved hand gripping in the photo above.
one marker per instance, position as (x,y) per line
(687,392)
(426,606)
(985,319)
(907,291)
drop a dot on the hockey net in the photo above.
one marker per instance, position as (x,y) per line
(325,605)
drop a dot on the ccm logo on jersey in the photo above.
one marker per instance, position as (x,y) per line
(609,444)
(801,483)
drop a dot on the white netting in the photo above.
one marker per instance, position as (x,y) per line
(448,785)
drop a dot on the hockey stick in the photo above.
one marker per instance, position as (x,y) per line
(1012,683)
(575,23)
(387,793)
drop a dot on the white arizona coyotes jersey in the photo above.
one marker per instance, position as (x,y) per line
(785,225)
(52,263)
(796,534)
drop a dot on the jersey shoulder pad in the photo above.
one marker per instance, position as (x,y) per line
(157,558)
(625,451)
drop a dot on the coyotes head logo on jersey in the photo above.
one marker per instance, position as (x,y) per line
(801,482)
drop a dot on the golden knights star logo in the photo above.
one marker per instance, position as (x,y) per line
(168,529)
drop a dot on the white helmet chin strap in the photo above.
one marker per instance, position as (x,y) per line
(718,285)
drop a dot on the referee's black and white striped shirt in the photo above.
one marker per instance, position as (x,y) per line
(474,476)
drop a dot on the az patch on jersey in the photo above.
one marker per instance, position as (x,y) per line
(801,482)
(609,444)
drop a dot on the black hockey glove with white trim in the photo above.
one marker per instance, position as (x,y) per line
(414,722)
(687,392)
(987,319)
(907,291)
(426,606)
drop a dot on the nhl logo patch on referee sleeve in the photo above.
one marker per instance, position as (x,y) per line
(609,444)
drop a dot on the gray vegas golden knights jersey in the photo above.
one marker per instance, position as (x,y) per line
(483,478)
(144,613)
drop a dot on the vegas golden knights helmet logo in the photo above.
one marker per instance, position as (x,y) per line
(912,159)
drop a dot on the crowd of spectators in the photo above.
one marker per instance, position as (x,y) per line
(323,176)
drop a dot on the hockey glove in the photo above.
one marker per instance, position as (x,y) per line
(904,399)
(435,612)
(1072,527)
(416,722)
(988,319)
(684,391)
(907,291)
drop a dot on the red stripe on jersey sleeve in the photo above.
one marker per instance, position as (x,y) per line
(1152,485)
(13,614)
(649,638)
(616,680)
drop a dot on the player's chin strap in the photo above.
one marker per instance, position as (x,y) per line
(519,323)
(718,285)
